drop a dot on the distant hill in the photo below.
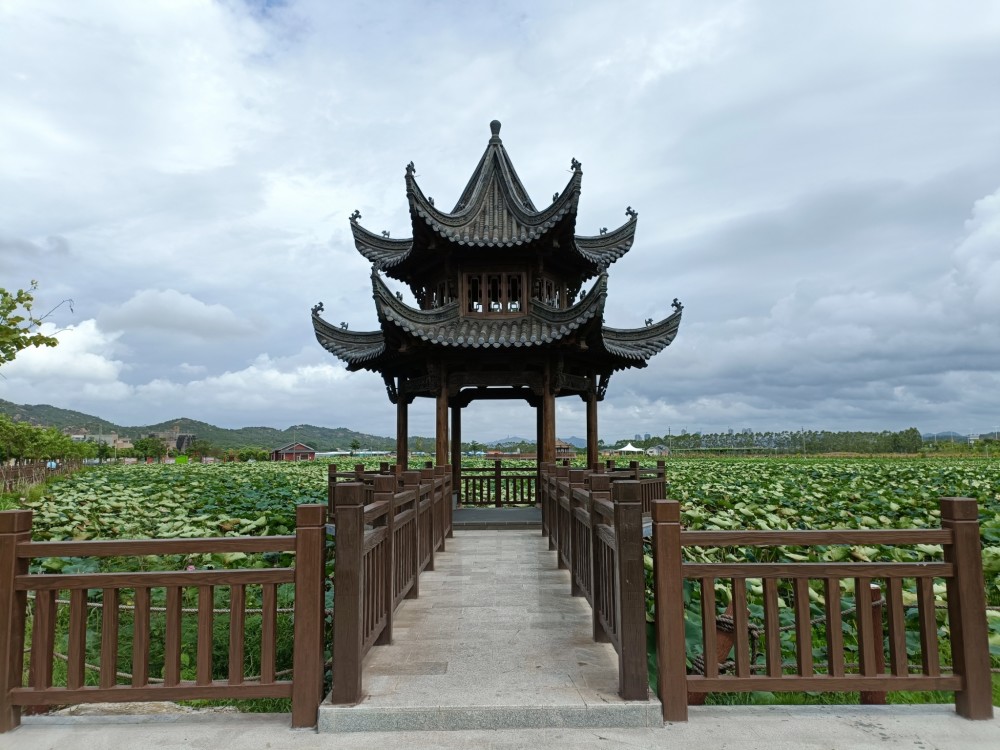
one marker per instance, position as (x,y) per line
(320,438)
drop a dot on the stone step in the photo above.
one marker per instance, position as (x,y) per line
(621,715)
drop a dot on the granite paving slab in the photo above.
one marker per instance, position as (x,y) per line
(495,641)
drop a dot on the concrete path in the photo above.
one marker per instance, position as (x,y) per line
(494,641)
(709,728)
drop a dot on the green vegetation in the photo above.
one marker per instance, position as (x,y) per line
(19,324)
(20,441)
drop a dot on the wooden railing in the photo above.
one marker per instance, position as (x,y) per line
(388,528)
(961,571)
(35,472)
(652,480)
(595,526)
(132,593)
(498,485)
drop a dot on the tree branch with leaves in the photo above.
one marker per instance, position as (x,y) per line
(19,324)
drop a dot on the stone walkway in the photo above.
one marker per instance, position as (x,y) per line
(495,641)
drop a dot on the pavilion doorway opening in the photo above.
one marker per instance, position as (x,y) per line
(489,470)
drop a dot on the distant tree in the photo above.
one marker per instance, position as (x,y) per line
(201,448)
(18,324)
(149,447)
(104,452)
(355,446)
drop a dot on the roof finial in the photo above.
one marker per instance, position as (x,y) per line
(495,128)
(677,305)
(631,213)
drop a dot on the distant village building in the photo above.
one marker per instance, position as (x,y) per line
(175,440)
(294,452)
(658,450)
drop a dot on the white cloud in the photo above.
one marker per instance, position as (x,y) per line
(174,312)
(184,170)
(85,354)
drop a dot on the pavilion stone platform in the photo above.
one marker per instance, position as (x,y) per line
(495,641)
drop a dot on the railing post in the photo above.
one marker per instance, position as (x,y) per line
(631,604)
(385,487)
(349,597)
(876,697)
(497,479)
(427,477)
(967,608)
(668,588)
(411,483)
(310,569)
(452,489)
(577,480)
(15,527)
(600,489)
(331,482)
(442,502)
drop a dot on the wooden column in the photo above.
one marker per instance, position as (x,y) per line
(539,430)
(592,452)
(441,431)
(402,428)
(548,419)
(456,451)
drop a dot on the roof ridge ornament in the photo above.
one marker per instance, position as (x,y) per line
(575,165)
(494,131)
(317,308)
(355,216)
(677,305)
(631,213)
(410,169)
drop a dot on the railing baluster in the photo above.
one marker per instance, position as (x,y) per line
(140,638)
(109,638)
(929,657)
(206,597)
(172,642)
(863,618)
(772,624)
(740,628)
(834,628)
(77,638)
(898,660)
(803,628)
(43,636)
(709,645)
(237,633)
(268,622)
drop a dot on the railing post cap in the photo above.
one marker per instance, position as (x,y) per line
(385,483)
(331,470)
(15,521)
(310,515)
(666,511)
(627,491)
(959,508)
(349,494)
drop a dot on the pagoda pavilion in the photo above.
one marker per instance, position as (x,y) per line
(509,305)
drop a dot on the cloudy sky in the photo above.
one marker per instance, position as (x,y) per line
(818,182)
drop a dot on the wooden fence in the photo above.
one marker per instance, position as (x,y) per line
(961,571)
(387,529)
(595,525)
(133,591)
(15,477)
(498,485)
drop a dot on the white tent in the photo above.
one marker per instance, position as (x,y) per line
(630,449)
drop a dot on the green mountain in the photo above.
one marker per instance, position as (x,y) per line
(320,438)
